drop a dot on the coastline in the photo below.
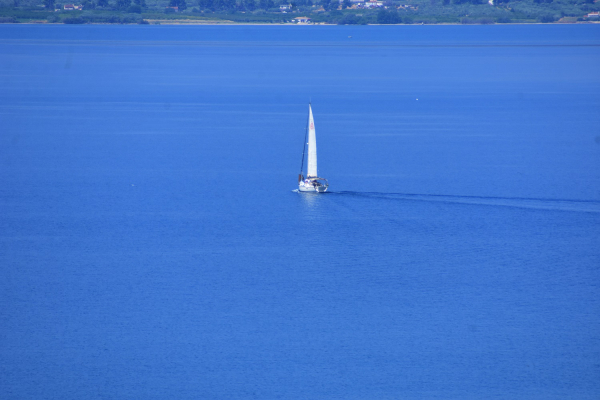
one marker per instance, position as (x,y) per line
(189,22)
(319,12)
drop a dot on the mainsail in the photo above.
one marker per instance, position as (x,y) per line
(312,145)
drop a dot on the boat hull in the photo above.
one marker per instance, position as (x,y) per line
(313,189)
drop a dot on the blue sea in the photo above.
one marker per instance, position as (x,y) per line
(152,245)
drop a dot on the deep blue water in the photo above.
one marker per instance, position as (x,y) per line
(151,244)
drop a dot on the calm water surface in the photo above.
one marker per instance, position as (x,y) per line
(151,244)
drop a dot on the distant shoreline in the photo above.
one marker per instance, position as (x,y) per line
(157,22)
(314,12)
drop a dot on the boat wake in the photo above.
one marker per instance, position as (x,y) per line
(589,206)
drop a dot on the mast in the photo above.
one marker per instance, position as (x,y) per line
(300,177)
(312,146)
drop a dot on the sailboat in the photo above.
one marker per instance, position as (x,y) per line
(312,182)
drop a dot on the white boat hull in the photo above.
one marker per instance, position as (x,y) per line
(311,188)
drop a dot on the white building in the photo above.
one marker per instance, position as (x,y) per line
(373,4)
(302,20)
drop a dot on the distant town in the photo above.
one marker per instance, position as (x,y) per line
(302,12)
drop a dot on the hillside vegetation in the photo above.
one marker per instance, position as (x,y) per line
(319,11)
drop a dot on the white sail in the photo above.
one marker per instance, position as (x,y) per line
(312,183)
(312,145)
